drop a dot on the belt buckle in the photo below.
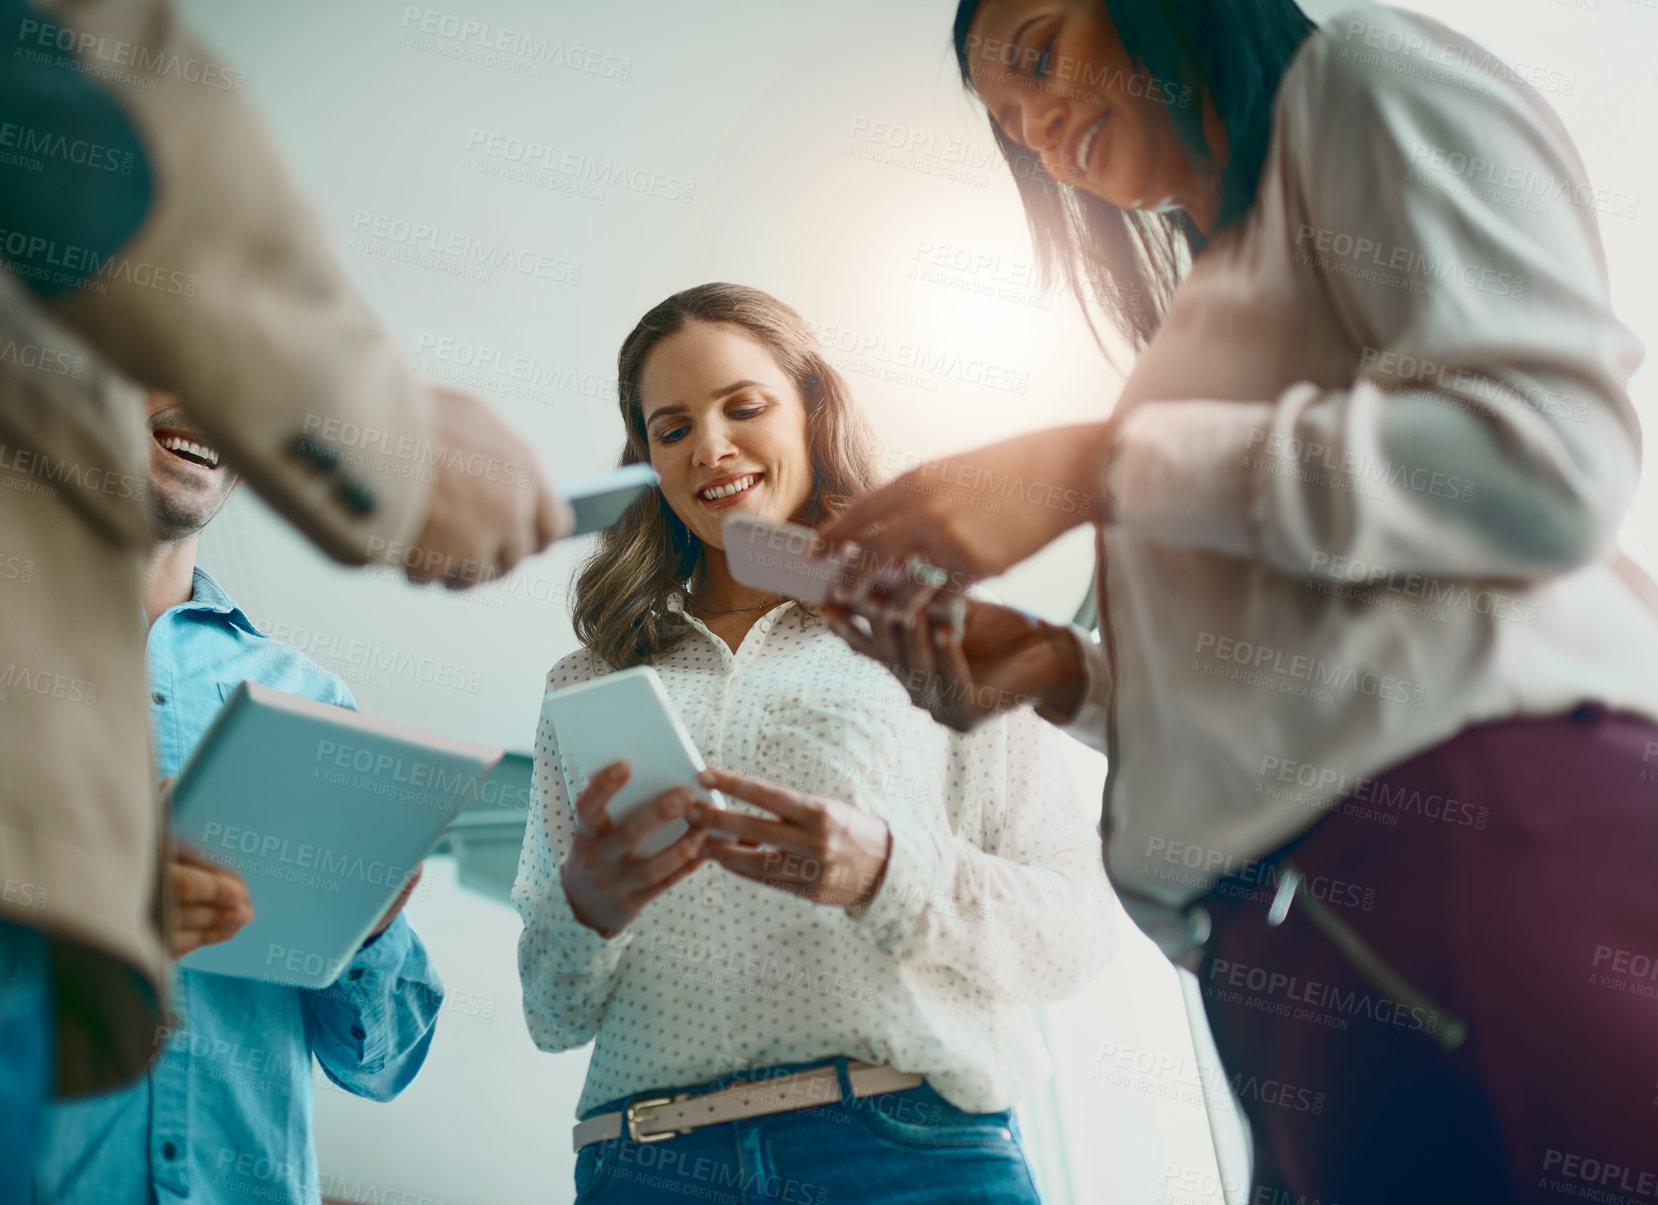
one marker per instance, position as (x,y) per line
(633,1119)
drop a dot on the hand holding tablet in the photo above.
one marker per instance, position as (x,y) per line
(630,768)
(324,813)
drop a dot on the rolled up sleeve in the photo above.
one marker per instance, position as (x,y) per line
(371,1028)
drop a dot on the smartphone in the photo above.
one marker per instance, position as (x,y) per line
(784,557)
(601,500)
(627,715)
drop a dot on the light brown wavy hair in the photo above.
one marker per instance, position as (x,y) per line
(620,603)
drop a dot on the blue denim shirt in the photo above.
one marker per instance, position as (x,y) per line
(224,1114)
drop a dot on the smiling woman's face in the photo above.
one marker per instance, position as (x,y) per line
(726,427)
(1057,79)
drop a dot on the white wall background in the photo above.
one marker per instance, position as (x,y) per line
(779,112)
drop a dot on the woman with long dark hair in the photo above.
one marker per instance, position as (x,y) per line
(823,993)
(1378,692)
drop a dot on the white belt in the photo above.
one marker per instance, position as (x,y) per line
(664,1116)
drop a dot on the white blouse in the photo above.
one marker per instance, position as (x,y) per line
(994,897)
(1372,469)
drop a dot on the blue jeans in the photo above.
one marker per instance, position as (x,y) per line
(26,1055)
(899,1148)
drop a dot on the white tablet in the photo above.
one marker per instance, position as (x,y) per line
(627,716)
(325,812)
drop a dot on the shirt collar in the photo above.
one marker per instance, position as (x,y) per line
(207,595)
(676,606)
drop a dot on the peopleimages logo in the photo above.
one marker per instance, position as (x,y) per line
(912,363)
(69,473)
(1297,673)
(46,682)
(1325,787)
(1071,77)
(367,655)
(1208,865)
(1419,55)
(363,444)
(1601,1175)
(93,51)
(1372,255)
(488,362)
(579,166)
(49,144)
(300,856)
(1457,594)
(466,33)
(39,258)
(1308,999)
(1517,181)
(458,245)
(41,359)
(1345,469)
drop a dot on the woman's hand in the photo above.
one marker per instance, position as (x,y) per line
(820,849)
(607,882)
(211,902)
(966,661)
(979,512)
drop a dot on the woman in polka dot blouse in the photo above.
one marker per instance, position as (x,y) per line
(859,942)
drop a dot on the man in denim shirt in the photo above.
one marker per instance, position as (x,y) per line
(224,1114)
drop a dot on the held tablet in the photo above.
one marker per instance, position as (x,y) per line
(627,715)
(600,501)
(325,813)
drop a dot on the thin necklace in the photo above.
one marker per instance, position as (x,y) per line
(731,610)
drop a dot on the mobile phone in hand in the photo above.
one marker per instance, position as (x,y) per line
(601,500)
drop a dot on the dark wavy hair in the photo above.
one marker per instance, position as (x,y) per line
(1231,54)
(620,605)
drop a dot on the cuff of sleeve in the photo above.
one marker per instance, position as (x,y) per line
(1088,725)
(1185,473)
(385,952)
(1180,933)
(582,947)
(911,878)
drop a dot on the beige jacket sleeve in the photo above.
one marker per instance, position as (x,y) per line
(254,324)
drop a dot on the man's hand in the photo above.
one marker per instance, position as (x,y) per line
(211,902)
(397,904)
(490,508)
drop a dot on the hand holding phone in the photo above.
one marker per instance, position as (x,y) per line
(607,876)
(783,557)
(601,500)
